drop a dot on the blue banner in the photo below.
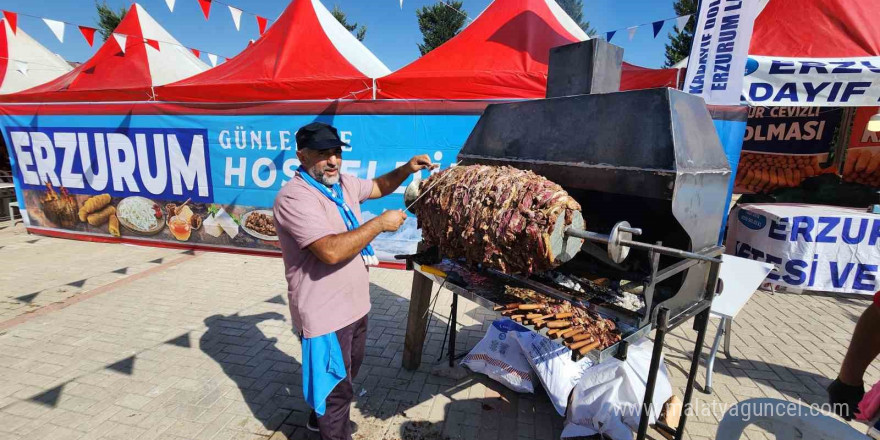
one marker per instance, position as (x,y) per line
(237,163)
(128,175)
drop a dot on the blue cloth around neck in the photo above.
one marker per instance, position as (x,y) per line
(323,368)
(335,194)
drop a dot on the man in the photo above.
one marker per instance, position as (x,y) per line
(326,251)
(847,390)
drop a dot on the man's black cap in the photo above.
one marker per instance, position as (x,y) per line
(318,136)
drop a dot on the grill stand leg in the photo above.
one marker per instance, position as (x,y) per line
(700,325)
(417,321)
(647,406)
(710,363)
(453,323)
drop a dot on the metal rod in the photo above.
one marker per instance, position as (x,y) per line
(713,353)
(453,322)
(602,238)
(648,402)
(702,322)
(428,189)
(674,269)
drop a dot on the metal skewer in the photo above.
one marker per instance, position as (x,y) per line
(428,189)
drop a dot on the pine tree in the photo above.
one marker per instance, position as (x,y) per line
(108,19)
(439,22)
(575,10)
(679,46)
(340,16)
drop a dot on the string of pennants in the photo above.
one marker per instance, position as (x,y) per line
(234,12)
(680,23)
(58,28)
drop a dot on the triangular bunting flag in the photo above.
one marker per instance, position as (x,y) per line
(88,34)
(170,4)
(681,22)
(609,35)
(57,28)
(632,32)
(206,7)
(153,43)
(213,59)
(196,52)
(120,40)
(261,22)
(236,17)
(21,67)
(658,25)
(12,19)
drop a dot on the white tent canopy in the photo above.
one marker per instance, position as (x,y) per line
(27,63)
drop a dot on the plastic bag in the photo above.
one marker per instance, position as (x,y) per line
(498,356)
(552,364)
(608,397)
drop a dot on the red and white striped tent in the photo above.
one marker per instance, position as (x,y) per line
(25,63)
(139,56)
(503,53)
(305,55)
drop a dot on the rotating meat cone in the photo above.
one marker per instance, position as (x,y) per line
(501,217)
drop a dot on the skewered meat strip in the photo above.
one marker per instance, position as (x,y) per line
(500,217)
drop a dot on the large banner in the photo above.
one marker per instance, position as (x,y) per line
(205,176)
(783,146)
(834,82)
(823,248)
(203,180)
(720,49)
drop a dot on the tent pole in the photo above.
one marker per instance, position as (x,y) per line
(374,89)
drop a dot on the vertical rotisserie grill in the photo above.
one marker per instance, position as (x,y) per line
(651,178)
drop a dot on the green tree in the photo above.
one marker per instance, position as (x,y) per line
(340,16)
(439,22)
(575,10)
(108,19)
(679,46)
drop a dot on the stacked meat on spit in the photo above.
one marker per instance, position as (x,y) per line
(501,217)
(581,330)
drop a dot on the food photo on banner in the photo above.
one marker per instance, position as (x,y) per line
(862,165)
(202,181)
(784,146)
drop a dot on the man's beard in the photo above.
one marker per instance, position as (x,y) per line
(318,174)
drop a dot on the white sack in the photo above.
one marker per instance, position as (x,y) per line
(608,397)
(552,363)
(498,356)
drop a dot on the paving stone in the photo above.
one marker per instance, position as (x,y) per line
(237,376)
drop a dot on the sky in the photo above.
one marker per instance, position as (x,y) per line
(392,32)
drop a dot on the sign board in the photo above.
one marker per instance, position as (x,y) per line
(862,164)
(822,248)
(140,158)
(834,82)
(229,169)
(720,49)
(785,145)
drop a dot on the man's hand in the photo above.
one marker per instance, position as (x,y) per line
(391,220)
(386,184)
(420,162)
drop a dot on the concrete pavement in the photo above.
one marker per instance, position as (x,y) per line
(112,341)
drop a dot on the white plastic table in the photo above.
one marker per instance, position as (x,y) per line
(740,277)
